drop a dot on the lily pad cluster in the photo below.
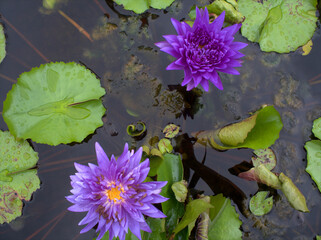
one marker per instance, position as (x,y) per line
(278,25)
(140,6)
(18,175)
(313,149)
(182,210)
(55,103)
(263,163)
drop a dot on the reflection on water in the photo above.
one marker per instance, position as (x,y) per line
(132,70)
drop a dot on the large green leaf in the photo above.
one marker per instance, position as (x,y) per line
(140,6)
(225,222)
(55,103)
(193,209)
(278,25)
(171,170)
(17,180)
(257,132)
(2,44)
(314,161)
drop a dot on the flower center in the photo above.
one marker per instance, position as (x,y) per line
(113,194)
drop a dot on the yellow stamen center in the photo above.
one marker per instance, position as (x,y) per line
(113,194)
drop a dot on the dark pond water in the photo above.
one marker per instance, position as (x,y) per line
(132,70)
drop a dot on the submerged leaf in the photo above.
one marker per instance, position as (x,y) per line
(55,103)
(293,194)
(17,180)
(2,44)
(259,205)
(278,25)
(140,6)
(225,222)
(257,132)
(314,161)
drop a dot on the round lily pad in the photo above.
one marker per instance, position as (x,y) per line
(259,205)
(17,180)
(55,103)
(2,44)
(278,25)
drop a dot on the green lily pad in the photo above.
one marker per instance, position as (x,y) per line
(2,44)
(278,25)
(55,103)
(17,180)
(257,132)
(264,156)
(259,205)
(140,6)
(314,161)
(225,222)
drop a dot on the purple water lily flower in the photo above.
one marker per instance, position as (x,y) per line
(115,195)
(203,50)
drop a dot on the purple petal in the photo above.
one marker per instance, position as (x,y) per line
(204,84)
(102,158)
(171,51)
(230,70)
(180,29)
(238,45)
(81,168)
(162,44)
(215,79)
(174,66)
(218,22)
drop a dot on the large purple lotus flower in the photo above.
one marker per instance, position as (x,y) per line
(203,50)
(115,195)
